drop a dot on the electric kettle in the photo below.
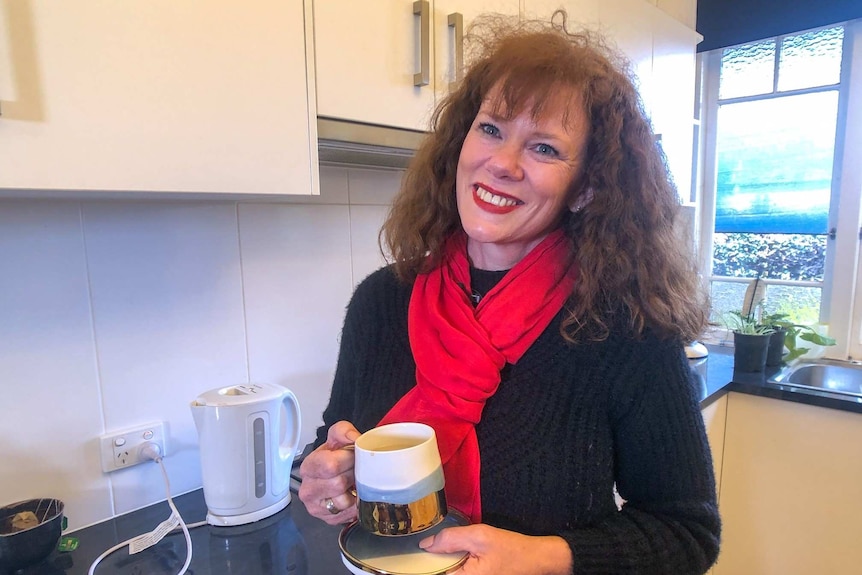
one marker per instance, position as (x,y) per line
(249,436)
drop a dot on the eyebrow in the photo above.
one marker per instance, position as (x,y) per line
(501,118)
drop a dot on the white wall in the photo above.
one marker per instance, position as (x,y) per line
(119,313)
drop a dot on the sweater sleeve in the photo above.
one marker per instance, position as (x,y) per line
(669,522)
(375,367)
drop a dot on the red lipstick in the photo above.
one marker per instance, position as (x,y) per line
(493,201)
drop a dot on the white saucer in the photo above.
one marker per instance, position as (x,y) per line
(364,553)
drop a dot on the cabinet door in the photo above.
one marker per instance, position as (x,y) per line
(684,11)
(714,419)
(628,24)
(449,16)
(791,495)
(156,95)
(580,12)
(367,53)
(673,95)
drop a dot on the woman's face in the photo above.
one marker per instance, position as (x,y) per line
(514,178)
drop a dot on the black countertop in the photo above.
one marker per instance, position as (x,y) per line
(720,378)
(290,541)
(294,542)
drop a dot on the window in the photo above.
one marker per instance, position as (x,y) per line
(780,180)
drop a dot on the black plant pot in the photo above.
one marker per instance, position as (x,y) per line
(775,350)
(749,352)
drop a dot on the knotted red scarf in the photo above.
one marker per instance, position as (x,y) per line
(460,350)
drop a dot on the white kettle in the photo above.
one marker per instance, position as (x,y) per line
(249,435)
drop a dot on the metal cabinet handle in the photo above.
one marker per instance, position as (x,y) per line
(456,21)
(421,9)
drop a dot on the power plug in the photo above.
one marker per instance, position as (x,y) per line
(150,451)
(132,446)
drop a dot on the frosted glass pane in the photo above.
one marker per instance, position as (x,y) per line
(811,59)
(747,70)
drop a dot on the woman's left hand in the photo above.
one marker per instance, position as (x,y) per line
(494,551)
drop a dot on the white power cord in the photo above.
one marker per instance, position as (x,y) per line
(151,451)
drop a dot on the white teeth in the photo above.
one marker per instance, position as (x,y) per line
(487,196)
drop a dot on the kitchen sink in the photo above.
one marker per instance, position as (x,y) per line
(825,375)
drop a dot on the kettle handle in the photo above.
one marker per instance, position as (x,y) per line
(290,441)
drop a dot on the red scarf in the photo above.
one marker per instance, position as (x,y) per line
(460,350)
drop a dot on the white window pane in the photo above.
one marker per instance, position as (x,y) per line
(800,304)
(811,59)
(747,70)
(725,297)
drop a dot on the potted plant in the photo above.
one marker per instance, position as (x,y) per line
(777,341)
(750,341)
(793,332)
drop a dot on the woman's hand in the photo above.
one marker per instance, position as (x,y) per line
(494,551)
(327,477)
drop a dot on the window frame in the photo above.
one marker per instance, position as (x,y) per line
(839,293)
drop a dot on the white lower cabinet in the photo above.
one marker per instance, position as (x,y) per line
(715,421)
(791,489)
(714,418)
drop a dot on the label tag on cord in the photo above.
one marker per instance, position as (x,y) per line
(146,540)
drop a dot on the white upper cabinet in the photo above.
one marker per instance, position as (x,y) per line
(673,96)
(383,62)
(451,18)
(684,11)
(580,12)
(628,24)
(156,96)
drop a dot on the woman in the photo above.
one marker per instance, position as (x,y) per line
(535,316)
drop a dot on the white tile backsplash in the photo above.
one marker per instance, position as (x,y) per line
(297,281)
(118,313)
(365,222)
(50,410)
(168,313)
(373,187)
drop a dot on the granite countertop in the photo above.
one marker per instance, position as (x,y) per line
(292,541)
(720,378)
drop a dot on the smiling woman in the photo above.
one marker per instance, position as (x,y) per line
(537,297)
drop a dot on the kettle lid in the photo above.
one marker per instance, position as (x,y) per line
(240,395)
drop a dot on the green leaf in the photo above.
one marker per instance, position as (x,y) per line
(816,338)
(794,353)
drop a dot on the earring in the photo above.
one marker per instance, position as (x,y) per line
(578,204)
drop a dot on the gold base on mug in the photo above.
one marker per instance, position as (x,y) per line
(394,519)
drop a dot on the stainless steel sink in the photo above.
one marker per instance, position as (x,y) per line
(825,375)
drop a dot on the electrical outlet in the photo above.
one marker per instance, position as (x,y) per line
(122,449)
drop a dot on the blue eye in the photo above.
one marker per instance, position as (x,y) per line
(546,150)
(489,129)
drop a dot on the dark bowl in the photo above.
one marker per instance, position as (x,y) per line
(21,548)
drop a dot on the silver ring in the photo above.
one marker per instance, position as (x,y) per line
(330,506)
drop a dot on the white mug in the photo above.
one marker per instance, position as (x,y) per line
(399,479)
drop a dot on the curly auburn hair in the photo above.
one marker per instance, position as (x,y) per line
(633,266)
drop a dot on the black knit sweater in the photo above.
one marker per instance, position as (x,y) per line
(567,424)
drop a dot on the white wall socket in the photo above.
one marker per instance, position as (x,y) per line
(122,449)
